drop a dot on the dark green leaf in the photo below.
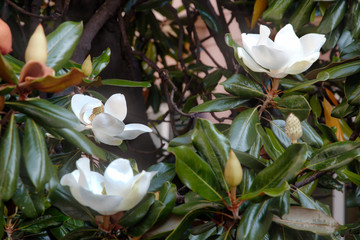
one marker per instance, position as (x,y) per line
(194,201)
(242,133)
(23,200)
(295,104)
(135,214)
(278,128)
(301,16)
(334,156)
(255,222)
(340,71)
(219,104)
(100,62)
(212,79)
(212,146)
(272,146)
(352,90)
(283,169)
(7,73)
(148,221)
(165,172)
(333,17)
(46,113)
(62,43)
(343,109)
(355,178)
(146,6)
(243,87)
(36,155)
(250,161)
(207,17)
(81,141)
(316,105)
(280,205)
(308,202)
(83,233)
(167,196)
(10,153)
(290,84)
(196,174)
(275,12)
(125,83)
(350,51)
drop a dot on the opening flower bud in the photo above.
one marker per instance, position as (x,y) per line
(86,67)
(293,128)
(37,46)
(233,171)
(5,38)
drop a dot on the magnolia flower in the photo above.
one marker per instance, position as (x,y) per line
(117,190)
(106,120)
(287,54)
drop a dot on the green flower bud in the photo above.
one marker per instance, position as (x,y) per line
(86,67)
(233,171)
(37,46)
(293,128)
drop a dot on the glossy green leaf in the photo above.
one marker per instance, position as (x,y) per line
(7,73)
(178,233)
(280,205)
(81,141)
(352,90)
(350,51)
(134,215)
(207,17)
(301,16)
(10,153)
(167,196)
(332,38)
(243,87)
(84,233)
(343,110)
(305,219)
(15,64)
(250,161)
(354,19)
(6,89)
(283,169)
(278,128)
(125,83)
(344,40)
(309,188)
(334,156)
(295,104)
(355,178)
(340,71)
(333,17)
(36,155)
(46,113)
(212,79)
(99,63)
(242,133)
(308,202)
(62,43)
(276,11)
(195,173)
(255,222)
(272,146)
(315,105)
(165,172)
(213,146)
(290,84)
(23,200)
(219,104)
(194,201)
(148,221)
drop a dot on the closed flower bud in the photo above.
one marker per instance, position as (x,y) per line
(293,128)
(233,171)
(37,46)
(86,67)
(5,38)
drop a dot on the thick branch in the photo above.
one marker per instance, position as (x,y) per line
(310,179)
(107,10)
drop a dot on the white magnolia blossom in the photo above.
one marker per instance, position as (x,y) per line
(117,190)
(106,120)
(287,54)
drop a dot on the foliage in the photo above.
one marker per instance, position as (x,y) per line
(189,197)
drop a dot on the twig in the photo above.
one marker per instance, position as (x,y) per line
(310,179)
(23,11)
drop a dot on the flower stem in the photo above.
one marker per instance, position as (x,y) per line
(106,223)
(234,204)
(271,94)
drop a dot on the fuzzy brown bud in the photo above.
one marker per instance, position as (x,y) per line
(233,172)
(293,128)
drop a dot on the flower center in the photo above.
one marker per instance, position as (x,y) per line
(96,111)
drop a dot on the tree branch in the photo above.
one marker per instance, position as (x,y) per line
(310,179)
(23,11)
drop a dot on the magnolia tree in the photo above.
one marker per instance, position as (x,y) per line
(292,132)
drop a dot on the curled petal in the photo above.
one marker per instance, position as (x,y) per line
(270,58)
(138,190)
(79,100)
(118,173)
(108,129)
(33,70)
(312,43)
(303,65)
(133,130)
(116,106)
(249,62)
(287,41)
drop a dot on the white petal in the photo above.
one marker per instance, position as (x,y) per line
(270,58)
(83,165)
(104,204)
(133,130)
(249,40)
(138,190)
(116,106)
(118,177)
(264,37)
(79,100)
(302,65)
(312,43)
(287,41)
(107,129)
(277,74)
(87,110)
(249,62)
